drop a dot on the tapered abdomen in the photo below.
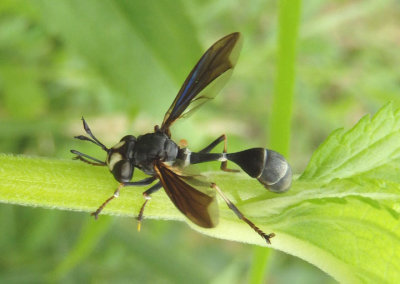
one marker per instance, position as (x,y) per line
(268,167)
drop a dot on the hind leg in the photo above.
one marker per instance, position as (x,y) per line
(224,164)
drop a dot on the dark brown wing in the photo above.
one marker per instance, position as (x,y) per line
(216,61)
(199,207)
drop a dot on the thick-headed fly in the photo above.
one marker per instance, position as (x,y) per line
(158,156)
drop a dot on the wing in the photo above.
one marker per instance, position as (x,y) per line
(218,60)
(199,207)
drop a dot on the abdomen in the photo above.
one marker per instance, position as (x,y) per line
(269,167)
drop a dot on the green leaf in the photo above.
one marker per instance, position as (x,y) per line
(344,218)
(368,145)
(126,45)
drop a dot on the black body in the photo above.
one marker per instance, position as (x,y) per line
(269,167)
(158,156)
(153,147)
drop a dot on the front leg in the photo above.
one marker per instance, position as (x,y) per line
(142,182)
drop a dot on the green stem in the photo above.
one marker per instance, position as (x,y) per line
(73,185)
(281,112)
(90,236)
(258,269)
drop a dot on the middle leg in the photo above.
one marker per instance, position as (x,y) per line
(147,197)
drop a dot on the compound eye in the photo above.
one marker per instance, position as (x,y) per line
(126,171)
(123,171)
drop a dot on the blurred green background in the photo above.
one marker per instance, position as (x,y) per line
(120,64)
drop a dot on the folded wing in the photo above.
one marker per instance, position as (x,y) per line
(201,208)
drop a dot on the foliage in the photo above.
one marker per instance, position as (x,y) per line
(339,201)
(120,63)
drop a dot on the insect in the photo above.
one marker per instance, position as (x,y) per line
(158,156)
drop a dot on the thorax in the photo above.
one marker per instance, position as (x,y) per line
(152,147)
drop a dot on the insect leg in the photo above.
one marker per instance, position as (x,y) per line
(145,181)
(213,144)
(116,194)
(147,196)
(207,149)
(265,236)
(224,165)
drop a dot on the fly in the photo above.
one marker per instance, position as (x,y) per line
(158,156)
